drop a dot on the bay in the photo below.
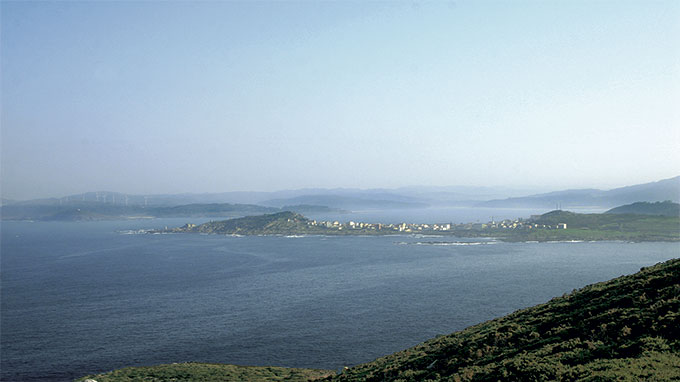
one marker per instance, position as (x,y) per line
(80,298)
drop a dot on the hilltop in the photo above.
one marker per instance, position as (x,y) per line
(279,223)
(625,329)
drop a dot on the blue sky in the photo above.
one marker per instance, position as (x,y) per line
(164,97)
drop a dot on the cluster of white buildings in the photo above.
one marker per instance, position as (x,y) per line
(402,227)
(412,227)
(514,224)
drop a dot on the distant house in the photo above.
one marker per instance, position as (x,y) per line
(561,225)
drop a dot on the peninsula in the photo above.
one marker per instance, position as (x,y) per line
(552,226)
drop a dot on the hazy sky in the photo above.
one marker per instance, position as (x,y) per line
(150,97)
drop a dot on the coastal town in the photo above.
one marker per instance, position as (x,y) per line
(289,223)
(553,225)
(437,227)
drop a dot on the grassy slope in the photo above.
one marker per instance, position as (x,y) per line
(602,227)
(626,329)
(205,372)
(279,223)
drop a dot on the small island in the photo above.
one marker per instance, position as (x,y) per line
(556,225)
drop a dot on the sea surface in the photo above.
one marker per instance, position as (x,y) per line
(81,298)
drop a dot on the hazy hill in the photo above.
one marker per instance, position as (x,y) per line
(375,201)
(5,201)
(380,198)
(625,329)
(666,208)
(449,195)
(667,189)
(79,211)
(403,197)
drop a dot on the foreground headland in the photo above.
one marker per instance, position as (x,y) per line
(625,329)
(555,225)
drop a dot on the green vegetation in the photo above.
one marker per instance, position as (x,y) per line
(602,227)
(626,329)
(205,372)
(666,208)
(279,223)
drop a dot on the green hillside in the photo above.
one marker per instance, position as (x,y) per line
(626,329)
(279,223)
(206,372)
(602,227)
(666,208)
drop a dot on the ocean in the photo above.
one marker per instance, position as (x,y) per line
(87,297)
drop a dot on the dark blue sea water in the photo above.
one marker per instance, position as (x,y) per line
(80,298)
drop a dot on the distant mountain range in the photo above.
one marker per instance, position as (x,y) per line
(344,198)
(84,211)
(376,201)
(667,189)
(114,204)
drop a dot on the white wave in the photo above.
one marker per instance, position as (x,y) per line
(453,243)
(134,231)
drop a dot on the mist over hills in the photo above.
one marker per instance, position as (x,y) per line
(107,205)
(667,189)
(87,210)
(378,200)
(349,198)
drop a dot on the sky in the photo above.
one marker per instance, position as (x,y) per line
(170,97)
